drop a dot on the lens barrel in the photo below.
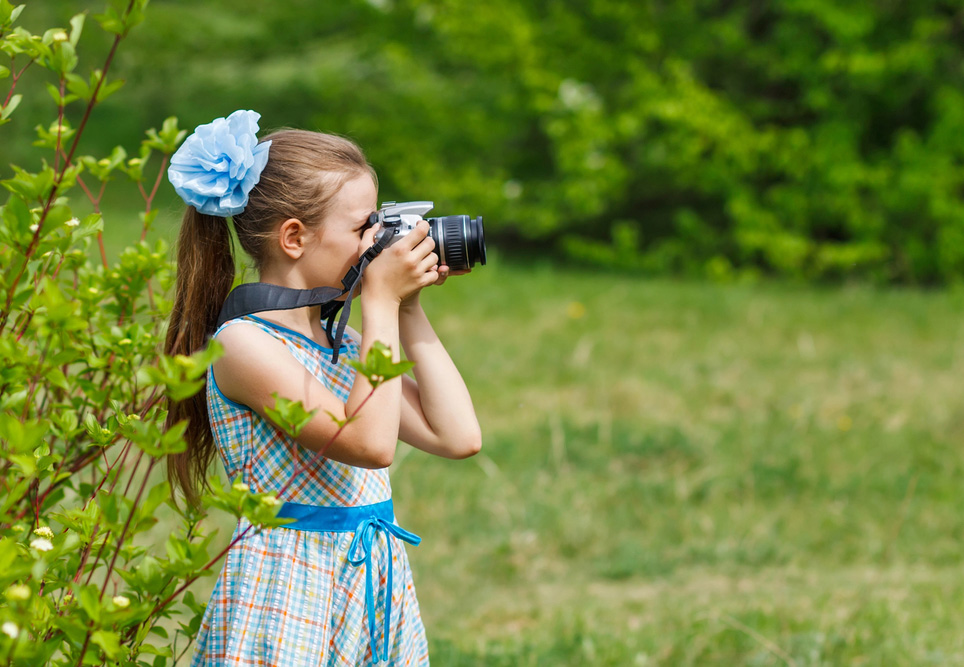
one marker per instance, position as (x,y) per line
(459,240)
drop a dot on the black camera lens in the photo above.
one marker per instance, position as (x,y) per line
(459,240)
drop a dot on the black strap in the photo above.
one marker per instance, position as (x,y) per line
(251,298)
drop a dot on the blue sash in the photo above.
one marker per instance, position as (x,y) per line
(366,521)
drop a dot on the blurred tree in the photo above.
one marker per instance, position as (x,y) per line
(804,138)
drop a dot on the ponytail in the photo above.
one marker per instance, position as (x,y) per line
(205,274)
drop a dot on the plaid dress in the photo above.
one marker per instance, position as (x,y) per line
(287,597)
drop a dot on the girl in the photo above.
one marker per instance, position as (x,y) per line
(335,587)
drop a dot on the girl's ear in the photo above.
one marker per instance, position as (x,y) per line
(292,237)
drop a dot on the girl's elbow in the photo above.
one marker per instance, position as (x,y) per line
(378,457)
(381,459)
(470,445)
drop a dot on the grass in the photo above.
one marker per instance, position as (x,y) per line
(692,474)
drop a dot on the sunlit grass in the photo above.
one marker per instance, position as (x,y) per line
(683,474)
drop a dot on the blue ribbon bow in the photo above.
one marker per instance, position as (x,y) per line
(365,534)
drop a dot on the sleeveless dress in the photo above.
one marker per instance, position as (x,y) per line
(287,597)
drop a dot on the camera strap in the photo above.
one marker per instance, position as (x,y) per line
(250,298)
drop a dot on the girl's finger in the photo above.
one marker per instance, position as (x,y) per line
(430,277)
(414,237)
(430,262)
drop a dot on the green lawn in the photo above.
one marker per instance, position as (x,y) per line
(692,474)
(687,474)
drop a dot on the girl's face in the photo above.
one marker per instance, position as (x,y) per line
(334,247)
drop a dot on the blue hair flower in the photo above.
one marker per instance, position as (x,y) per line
(216,167)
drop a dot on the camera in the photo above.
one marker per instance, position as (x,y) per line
(459,239)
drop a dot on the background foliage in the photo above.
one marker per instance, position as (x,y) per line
(802,138)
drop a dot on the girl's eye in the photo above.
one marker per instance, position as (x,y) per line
(368,224)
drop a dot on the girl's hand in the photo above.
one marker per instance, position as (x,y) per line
(403,268)
(444,272)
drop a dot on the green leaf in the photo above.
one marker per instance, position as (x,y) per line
(79,87)
(111,21)
(8,553)
(25,462)
(30,186)
(341,422)
(179,391)
(109,641)
(18,217)
(64,58)
(56,378)
(158,494)
(10,107)
(16,494)
(150,576)
(167,139)
(154,650)
(289,415)
(21,436)
(109,88)
(104,167)
(71,627)
(56,132)
(8,13)
(89,598)
(76,27)
(379,366)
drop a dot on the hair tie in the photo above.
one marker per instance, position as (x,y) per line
(216,167)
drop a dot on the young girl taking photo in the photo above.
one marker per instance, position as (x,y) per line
(335,586)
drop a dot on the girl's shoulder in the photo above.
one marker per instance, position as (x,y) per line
(280,332)
(249,333)
(249,343)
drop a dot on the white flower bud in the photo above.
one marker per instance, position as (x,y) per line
(121,602)
(44,531)
(10,629)
(42,544)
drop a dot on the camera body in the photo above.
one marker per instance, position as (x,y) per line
(459,239)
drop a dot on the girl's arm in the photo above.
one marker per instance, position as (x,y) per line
(255,365)
(437,413)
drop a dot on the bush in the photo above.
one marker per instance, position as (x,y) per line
(83,390)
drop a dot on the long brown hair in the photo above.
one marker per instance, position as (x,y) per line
(304,172)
